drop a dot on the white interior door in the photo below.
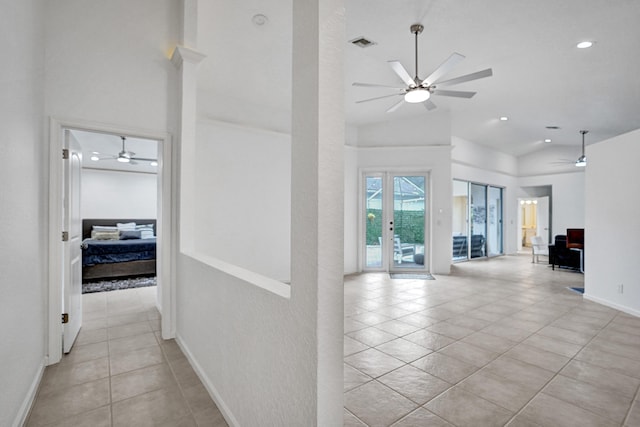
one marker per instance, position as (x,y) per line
(542,216)
(72,260)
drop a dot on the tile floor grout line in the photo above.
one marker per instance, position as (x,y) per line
(556,374)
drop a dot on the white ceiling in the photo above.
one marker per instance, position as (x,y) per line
(107,146)
(540,78)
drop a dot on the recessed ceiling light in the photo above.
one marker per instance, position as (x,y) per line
(584,45)
(547,140)
(95,158)
(504,118)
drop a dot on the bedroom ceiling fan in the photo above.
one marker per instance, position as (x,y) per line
(420,90)
(125,156)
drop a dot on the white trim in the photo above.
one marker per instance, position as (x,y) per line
(272,285)
(164,220)
(206,381)
(27,403)
(610,304)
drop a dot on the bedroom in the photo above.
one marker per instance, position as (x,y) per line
(118,207)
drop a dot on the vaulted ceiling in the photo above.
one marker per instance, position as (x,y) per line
(539,78)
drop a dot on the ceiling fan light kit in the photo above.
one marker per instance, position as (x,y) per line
(417,95)
(420,90)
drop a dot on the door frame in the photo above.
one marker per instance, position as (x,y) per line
(165,227)
(387,254)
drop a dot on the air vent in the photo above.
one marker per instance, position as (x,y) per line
(362,42)
(553,127)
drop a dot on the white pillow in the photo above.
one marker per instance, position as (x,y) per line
(105,228)
(128,226)
(146,231)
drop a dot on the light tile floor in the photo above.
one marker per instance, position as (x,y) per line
(498,342)
(121,372)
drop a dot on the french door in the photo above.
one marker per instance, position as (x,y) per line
(395,218)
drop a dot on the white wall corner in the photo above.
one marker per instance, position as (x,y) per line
(182,54)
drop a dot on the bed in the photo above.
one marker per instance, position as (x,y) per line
(126,255)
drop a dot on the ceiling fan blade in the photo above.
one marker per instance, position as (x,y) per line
(378,97)
(454,93)
(429,105)
(142,159)
(375,85)
(466,78)
(395,106)
(444,68)
(402,73)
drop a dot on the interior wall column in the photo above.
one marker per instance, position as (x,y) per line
(317,186)
(186,59)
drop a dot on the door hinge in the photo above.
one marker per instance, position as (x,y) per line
(65,317)
(65,154)
(65,236)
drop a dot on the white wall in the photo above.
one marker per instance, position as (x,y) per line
(612,229)
(23,209)
(434,128)
(475,163)
(567,201)
(243,212)
(108,62)
(351,209)
(116,194)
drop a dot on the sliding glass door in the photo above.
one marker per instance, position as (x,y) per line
(477,220)
(395,222)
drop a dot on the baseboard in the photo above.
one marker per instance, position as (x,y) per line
(213,392)
(610,304)
(23,413)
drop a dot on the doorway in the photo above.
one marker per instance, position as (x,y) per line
(395,222)
(59,132)
(533,220)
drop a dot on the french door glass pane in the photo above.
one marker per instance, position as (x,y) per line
(494,225)
(373,221)
(478,210)
(408,221)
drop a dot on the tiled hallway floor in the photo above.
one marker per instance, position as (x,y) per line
(498,342)
(121,372)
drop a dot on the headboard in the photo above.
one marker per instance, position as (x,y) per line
(87,224)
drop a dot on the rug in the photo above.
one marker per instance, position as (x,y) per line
(578,290)
(114,285)
(420,276)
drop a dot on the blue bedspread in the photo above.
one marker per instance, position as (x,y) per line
(112,251)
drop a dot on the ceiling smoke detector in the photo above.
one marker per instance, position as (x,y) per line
(259,19)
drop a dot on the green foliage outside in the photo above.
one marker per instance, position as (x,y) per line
(409,226)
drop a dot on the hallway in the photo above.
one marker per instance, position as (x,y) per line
(121,372)
(498,342)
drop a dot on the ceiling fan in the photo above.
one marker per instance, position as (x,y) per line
(582,160)
(125,156)
(420,90)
